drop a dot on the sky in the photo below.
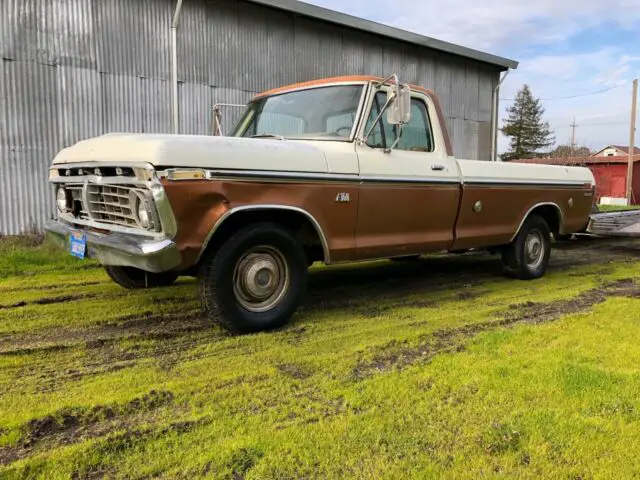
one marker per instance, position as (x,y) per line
(564,47)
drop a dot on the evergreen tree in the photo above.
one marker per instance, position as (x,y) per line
(524,125)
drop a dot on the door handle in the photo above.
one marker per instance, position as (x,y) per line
(437,168)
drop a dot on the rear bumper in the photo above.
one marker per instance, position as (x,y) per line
(120,249)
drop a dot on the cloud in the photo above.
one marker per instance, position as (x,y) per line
(497,24)
(603,118)
(565,48)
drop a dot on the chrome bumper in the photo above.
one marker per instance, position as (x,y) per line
(120,249)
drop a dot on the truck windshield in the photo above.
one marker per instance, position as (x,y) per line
(327,113)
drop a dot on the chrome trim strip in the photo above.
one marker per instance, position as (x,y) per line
(344,177)
(229,213)
(297,88)
(559,183)
(361,106)
(265,174)
(85,199)
(163,206)
(409,180)
(272,174)
(537,205)
(99,163)
(99,180)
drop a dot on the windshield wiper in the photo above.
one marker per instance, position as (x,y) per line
(268,135)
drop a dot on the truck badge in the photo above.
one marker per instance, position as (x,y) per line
(344,197)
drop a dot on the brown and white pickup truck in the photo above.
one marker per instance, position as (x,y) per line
(334,170)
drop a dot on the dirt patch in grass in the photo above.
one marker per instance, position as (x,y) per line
(398,355)
(68,425)
(57,286)
(543,312)
(294,371)
(501,438)
(50,301)
(144,326)
(13,305)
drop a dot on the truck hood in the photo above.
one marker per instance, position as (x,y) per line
(197,151)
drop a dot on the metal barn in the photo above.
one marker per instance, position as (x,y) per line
(72,69)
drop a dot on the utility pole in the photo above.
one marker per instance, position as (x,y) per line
(573,135)
(632,141)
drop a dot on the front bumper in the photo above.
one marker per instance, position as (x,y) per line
(119,249)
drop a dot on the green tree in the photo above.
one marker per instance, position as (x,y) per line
(524,126)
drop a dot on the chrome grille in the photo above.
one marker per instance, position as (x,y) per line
(111,204)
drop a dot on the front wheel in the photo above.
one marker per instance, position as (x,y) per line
(255,281)
(133,278)
(528,256)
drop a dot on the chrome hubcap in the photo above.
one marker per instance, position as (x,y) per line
(534,249)
(261,279)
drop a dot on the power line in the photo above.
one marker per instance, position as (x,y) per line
(598,92)
(597,124)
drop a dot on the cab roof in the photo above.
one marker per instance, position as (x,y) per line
(348,79)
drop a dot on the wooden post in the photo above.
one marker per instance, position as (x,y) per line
(632,141)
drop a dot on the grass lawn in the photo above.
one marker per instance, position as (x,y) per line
(435,369)
(617,208)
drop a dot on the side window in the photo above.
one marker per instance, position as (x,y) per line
(416,135)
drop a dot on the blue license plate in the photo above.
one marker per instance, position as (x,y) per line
(78,244)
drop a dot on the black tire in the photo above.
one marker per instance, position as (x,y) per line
(134,278)
(521,262)
(227,300)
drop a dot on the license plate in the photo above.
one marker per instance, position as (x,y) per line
(78,244)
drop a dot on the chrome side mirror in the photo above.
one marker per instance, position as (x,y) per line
(399,111)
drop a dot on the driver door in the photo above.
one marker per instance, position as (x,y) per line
(408,197)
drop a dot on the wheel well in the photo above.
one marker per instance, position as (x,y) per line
(296,222)
(550,214)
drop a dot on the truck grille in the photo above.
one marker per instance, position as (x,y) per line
(111,204)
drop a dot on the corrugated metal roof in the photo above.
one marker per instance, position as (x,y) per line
(308,10)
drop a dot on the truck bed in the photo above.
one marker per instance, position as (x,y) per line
(615,224)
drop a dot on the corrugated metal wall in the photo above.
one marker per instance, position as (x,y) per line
(72,69)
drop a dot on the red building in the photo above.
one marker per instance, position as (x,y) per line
(610,173)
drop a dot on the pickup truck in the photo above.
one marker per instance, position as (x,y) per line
(335,170)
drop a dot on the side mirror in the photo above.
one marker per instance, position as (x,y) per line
(399,112)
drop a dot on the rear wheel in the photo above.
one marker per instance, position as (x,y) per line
(134,278)
(528,256)
(256,280)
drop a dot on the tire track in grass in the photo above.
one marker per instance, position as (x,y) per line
(71,425)
(400,355)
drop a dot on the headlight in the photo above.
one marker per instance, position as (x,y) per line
(143,213)
(140,209)
(61,200)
